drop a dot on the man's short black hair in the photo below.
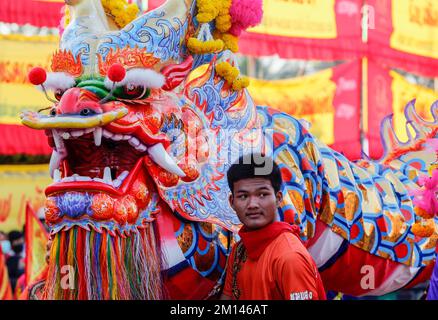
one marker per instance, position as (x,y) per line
(254,166)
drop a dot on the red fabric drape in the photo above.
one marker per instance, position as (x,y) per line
(347,45)
(347,109)
(380,101)
(36,13)
(379,48)
(18,139)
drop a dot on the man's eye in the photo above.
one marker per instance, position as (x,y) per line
(242,197)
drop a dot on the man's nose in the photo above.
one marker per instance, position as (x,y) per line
(253,202)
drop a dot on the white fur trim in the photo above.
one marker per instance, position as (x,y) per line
(59,80)
(139,77)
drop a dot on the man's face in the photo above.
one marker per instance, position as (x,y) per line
(255,202)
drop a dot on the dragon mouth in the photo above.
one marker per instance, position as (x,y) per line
(101,160)
(85,165)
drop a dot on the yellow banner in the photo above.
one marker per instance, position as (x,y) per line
(403,92)
(415,25)
(19,184)
(16,93)
(5,287)
(299,18)
(310,98)
(36,241)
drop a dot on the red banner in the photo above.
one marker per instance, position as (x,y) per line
(319,29)
(329,100)
(18,139)
(389,93)
(379,105)
(347,109)
(33,12)
(404,34)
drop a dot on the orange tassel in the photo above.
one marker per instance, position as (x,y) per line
(423,213)
(423,229)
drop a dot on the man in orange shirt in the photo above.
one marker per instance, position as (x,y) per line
(270,262)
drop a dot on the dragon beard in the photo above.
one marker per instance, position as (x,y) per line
(88,265)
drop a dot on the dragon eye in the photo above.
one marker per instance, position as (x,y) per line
(58,94)
(87,112)
(53,112)
(131,91)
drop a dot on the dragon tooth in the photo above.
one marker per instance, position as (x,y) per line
(82,178)
(99,180)
(77,133)
(107,134)
(59,142)
(57,176)
(123,175)
(98,136)
(117,183)
(134,142)
(141,148)
(160,156)
(55,161)
(107,175)
(117,137)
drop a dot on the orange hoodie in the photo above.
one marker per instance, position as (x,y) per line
(274,265)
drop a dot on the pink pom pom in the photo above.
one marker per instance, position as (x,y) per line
(116,72)
(426,197)
(245,14)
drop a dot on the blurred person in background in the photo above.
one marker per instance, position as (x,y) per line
(15,262)
(5,244)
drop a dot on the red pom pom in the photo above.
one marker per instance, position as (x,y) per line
(116,72)
(37,76)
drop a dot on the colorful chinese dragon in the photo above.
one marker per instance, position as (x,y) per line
(147,117)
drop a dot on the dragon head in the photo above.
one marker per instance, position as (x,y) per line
(113,128)
(116,139)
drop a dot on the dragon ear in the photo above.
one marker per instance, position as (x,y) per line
(175,74)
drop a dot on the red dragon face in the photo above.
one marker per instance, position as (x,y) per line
(112,149)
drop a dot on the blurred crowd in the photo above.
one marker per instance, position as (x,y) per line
(12,245)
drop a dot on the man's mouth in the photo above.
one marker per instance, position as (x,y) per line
(254,214)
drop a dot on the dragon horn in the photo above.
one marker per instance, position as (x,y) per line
(390,140)
(421,127)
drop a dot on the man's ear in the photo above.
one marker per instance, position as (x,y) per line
(230,199)
(279,197)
